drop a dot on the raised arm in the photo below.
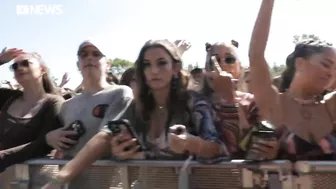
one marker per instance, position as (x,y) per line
(266,97)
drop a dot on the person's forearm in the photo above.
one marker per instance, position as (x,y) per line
(24,152)
(91,152)
(203,148)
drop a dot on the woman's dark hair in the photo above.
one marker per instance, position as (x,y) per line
(304,49)
(196,71)
(127,77)
(145,102)
(111,78)
(47,82)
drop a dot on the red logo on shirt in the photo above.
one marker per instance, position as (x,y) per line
(99,110)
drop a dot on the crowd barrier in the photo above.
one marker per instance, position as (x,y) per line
(235,174)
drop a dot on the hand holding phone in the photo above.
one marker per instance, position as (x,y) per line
(259,138)
(124,127)
(78,127)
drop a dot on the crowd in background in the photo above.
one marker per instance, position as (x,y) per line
(220,112)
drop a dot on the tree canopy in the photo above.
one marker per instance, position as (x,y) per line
(118,62)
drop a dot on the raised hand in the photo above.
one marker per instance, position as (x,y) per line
(221,81)
(182,46)
(65,79)
(9,54)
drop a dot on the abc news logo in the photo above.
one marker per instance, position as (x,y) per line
(39,10)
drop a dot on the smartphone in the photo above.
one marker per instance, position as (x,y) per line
(78,127)
(256,136)
(117,126)
(264,135)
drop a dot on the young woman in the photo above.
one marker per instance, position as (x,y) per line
(235,112)
(27,116)
(306,120)
(161,108)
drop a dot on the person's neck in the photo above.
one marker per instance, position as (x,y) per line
(94,85)
(33,92)
(301,93)
(161,96)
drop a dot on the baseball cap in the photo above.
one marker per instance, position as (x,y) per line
(87,43)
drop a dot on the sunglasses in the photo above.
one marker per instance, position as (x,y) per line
(227,60)
(95,54)
(16,65)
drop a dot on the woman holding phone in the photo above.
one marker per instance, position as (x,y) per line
(172,122)
(235,113)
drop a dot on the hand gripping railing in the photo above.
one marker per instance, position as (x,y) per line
(315,175)
(196,175)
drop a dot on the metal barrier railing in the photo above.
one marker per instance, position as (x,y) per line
(316,174)
(231,174)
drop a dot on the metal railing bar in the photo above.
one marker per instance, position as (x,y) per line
(272,165)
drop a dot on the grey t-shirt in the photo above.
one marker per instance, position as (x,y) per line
(90,109)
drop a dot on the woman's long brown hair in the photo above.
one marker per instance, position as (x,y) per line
(47,82)
(145,102)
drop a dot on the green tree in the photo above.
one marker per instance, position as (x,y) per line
(299,38)
(118,65)
(118,62)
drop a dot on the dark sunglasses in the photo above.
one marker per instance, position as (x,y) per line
(16,65)
(227,60)
(95,54)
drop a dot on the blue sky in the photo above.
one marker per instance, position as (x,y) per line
(122,26)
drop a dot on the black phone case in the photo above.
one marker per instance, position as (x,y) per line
(114,127)
(76,126)
(264,134)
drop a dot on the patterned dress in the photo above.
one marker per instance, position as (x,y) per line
(234,121)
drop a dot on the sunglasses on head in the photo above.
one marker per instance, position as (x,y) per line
(95,54)
(16,65)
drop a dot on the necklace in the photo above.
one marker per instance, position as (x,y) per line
(304,111)
(314,100)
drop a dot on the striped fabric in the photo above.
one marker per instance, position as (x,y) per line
(229,118)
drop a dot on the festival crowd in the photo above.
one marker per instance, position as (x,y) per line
(158,111)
